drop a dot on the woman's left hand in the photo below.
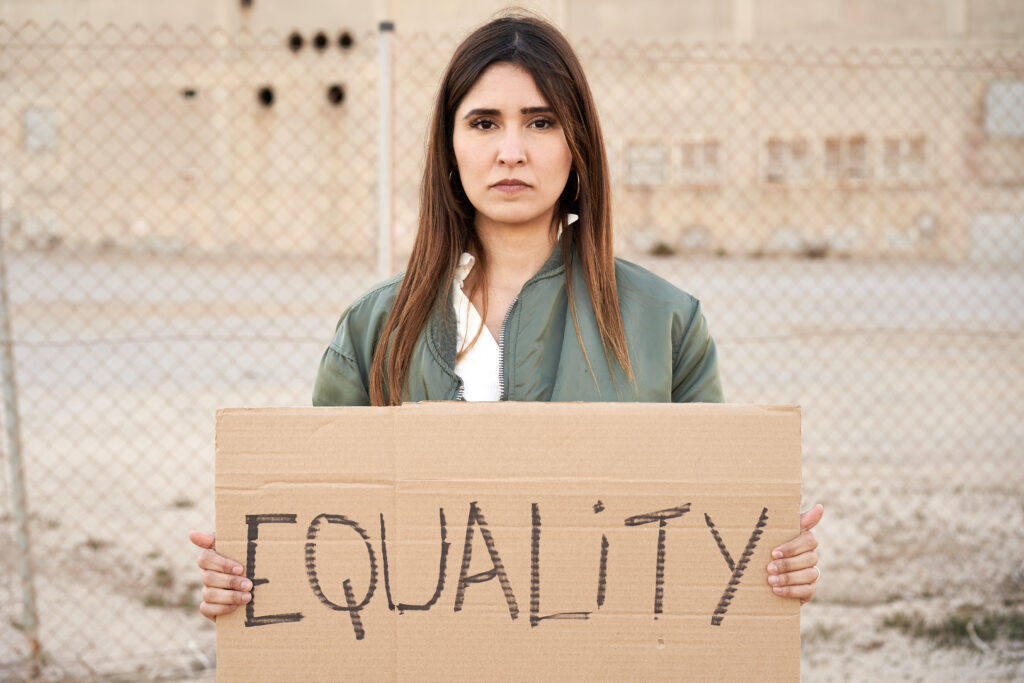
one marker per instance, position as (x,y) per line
(793,571)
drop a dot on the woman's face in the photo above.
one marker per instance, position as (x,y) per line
(511,153)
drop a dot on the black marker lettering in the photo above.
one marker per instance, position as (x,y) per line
(720,542)
(440,572)
(384,563)
(353,609)
(476,517)
(253,522)
(602,572)
(661,517)
(737,567)
(350,605)
(535,617)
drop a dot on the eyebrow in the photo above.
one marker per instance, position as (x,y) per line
(496,112)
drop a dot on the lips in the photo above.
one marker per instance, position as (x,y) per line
(510,185)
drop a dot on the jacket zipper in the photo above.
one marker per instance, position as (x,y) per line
(502,388)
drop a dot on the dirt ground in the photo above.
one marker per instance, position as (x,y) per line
(911,379)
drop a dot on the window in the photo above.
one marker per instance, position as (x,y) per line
(39,129)
(699,162)
(903,158)
(846,158)
(788,160)
(1004,109)
(646,164)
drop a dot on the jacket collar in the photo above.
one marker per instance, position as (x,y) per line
(441,333)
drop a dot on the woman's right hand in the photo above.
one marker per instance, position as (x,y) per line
(224,587)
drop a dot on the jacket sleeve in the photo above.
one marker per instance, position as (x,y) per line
(343,378)
(695,369)
(338,381)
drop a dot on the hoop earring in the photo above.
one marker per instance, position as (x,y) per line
(577,197)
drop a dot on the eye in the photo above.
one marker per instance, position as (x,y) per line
(543,124)
(483,124)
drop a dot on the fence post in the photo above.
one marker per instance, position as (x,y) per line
(30,618)
(385,183)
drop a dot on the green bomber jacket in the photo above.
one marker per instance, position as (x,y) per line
(672,353)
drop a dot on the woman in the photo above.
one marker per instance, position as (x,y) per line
(512,291)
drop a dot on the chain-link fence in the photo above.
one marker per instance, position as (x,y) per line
(185,214)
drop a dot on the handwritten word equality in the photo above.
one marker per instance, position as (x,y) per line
(497,571)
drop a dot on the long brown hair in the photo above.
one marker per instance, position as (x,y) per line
(446,215)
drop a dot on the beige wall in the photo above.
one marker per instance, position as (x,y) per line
(690,20)
(139,164)
(820,21)
(854,20)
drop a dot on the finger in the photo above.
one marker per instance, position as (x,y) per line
(208,559)
(201,539)
(219,596)
(212,579)
(211,612)
(801,577)
(812,517)
(803,592)
(803,543)
(790,564)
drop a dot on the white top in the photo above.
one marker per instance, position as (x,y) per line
(478,368)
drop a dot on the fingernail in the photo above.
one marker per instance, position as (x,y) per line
(237,569)
(777,554)
(773,580)
(773,568)
(247,597)
(777,590)
(246,585)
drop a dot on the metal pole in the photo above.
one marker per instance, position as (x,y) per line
(385,183)
(30,619)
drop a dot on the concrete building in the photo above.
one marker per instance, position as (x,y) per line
(853,127)
(824,22)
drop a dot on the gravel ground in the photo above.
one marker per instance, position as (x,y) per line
(911,378)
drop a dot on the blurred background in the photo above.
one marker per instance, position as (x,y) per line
(191,193)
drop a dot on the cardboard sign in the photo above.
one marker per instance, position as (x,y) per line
(508,541)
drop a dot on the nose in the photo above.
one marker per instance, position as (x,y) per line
(512,152)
